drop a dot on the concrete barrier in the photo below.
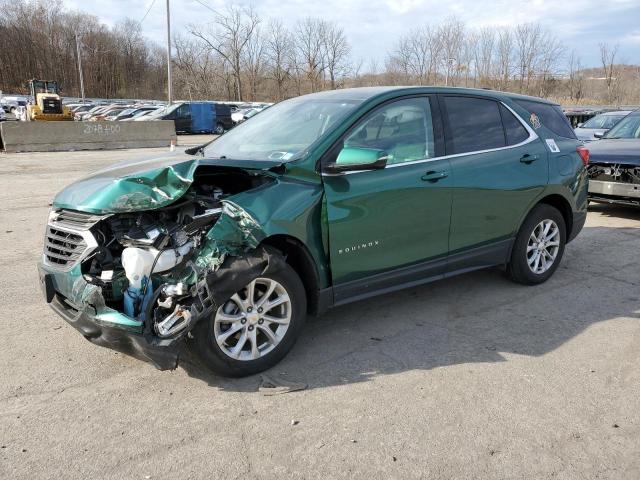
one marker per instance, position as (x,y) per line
(68,136)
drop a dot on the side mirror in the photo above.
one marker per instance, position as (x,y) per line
(357,159)
(579,125)
(600,134)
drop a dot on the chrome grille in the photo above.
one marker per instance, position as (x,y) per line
(75,220)
(68,239)
(63,248)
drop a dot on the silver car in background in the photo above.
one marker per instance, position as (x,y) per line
(596,127)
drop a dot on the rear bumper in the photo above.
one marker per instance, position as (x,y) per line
(163,354)
(614,192)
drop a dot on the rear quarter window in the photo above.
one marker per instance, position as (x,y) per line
(550,116)
(513,129)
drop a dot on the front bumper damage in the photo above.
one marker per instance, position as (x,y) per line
(229,257)
(614,183)
(112,332)
(614,192)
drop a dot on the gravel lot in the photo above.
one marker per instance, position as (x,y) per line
(471,377)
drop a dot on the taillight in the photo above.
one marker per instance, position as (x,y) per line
(584,154)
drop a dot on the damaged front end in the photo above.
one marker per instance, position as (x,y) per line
(139,281)
(614,183)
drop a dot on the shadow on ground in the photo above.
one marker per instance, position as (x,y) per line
(478,317)
(617,211)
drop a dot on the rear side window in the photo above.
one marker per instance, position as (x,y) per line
(475,124)
(550,116)
(513,128)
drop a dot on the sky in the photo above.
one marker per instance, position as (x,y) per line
(373,26)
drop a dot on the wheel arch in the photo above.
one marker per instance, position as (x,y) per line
(298,257)
(558,201)
(563,206)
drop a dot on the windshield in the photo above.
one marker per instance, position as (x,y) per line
(281,132)
(603,121)
(45,87)
(628,127)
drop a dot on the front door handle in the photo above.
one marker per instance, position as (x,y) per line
(434,175)
(526,158)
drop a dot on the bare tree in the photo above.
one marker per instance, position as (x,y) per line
(527,40)
(229,36)
(608,57)
(504,58)
(309,35)
(279,53)
(451,35)
(550,54)
(485,46)
(335,51)
(575,83)
(417,55)
(255,62)
(38,39)
(199,72)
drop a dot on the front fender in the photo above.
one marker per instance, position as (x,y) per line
(290,207)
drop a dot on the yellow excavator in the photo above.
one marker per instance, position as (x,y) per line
(46,103)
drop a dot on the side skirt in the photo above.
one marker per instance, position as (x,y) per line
(497,253)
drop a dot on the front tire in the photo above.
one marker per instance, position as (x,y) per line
(219,129)
(539,246)
(256,327)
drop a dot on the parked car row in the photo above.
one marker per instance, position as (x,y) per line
(189,116)
(112,111)
(245,113)
(10,104)
(195,117)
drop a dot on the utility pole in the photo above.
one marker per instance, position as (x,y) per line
(450,63)
(169,93)
(80,68)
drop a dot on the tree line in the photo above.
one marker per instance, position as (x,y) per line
(40,39)
(237,55)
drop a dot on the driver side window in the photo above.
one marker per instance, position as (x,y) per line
(403,129)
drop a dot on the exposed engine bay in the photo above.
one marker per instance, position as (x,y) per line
(158,266)
(614,183)
(614,173)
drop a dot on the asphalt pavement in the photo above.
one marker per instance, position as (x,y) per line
(471,377)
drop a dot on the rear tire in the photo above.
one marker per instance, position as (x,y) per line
(217,354)
(538,247)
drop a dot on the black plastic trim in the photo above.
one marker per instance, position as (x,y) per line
(490,255)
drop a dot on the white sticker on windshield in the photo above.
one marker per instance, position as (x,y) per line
(280,156)
(551,143)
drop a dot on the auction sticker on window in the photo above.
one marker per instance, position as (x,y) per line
(551,143)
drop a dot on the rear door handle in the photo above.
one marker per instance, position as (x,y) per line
(526,158)
(434,175)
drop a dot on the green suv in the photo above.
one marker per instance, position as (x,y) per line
(318,201)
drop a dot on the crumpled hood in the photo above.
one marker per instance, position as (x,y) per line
(622,150)
(141,185)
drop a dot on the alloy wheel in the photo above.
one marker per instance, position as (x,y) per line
(543,246)
(254,320)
